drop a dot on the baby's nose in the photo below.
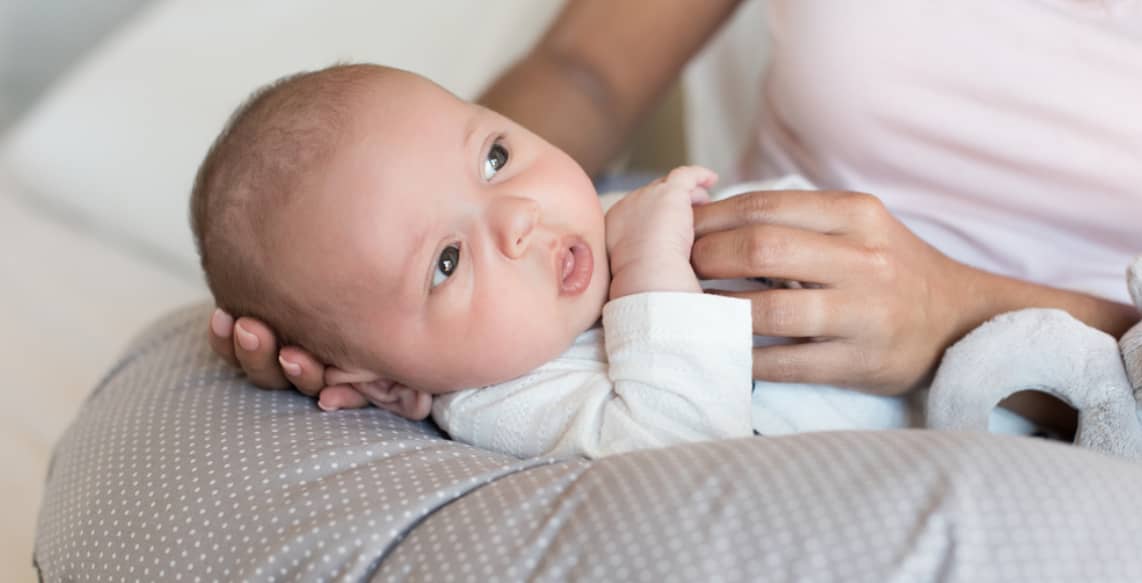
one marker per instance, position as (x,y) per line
(514,219)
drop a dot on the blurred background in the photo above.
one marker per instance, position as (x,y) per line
(39,39)
(106,108)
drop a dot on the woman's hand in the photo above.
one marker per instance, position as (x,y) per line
(251,345)
(887,304)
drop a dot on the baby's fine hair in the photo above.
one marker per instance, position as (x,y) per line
(249,176)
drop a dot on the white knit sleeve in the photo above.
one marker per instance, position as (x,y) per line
(679,370)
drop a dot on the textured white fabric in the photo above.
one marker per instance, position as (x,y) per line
(666,368)
(1006,134)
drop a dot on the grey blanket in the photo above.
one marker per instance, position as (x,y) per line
(176,469)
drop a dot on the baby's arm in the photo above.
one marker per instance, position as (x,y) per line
(679,370)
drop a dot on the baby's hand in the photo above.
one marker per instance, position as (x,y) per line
(651,230)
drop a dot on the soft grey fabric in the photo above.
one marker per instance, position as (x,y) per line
(1131,342)
(1131,346)
(1045,350)
(176,470)
(902,505)
(1049,351)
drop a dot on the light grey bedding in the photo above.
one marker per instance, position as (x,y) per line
(178,470)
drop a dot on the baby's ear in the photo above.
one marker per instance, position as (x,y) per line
(384,393)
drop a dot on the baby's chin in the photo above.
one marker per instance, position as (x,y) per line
(517,355)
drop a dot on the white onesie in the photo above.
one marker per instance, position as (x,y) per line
(665,368)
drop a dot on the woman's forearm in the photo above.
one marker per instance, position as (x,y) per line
(564,102)
(600,68)
(995,294)
(990,295)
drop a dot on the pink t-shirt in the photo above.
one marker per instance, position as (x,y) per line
(1008,133)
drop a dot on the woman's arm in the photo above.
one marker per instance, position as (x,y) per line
(600,68)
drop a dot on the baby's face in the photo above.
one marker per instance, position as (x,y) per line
(468,250)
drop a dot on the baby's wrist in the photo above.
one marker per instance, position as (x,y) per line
(650,276)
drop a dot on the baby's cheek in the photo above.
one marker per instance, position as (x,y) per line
(511,340)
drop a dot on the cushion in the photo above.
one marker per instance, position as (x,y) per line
(117,141)
(178,469)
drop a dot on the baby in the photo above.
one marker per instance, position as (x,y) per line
(426,246)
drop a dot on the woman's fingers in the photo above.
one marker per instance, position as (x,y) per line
(802,313)
(890,303)
(823,211)
(828,362)
(257,353)
(303,370)
(251,346)
(341,397)
(762,250)
(220,335)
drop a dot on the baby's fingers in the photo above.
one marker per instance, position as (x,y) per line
(699,196)
(692,177)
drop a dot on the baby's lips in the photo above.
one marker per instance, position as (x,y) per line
(576,266)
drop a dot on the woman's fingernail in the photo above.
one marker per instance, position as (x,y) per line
(325,407)
(221,323)
(246,339)
(292,369)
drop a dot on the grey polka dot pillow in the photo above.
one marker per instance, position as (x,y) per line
(176,470)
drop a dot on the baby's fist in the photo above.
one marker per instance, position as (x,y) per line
(651,230)
(693,180)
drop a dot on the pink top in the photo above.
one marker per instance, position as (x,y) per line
(1008,133)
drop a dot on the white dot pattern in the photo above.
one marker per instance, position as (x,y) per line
(176,470)
(859,506)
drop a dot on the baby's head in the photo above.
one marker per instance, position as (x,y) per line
(403,235)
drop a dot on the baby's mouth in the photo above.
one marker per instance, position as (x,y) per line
(578,264)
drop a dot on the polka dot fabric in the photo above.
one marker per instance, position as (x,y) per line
(176,470)
(901,506)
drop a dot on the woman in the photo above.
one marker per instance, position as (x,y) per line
(1006,134)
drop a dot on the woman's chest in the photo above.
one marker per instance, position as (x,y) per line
(1015,105)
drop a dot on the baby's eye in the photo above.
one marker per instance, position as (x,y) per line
(495,161)
(446,264)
